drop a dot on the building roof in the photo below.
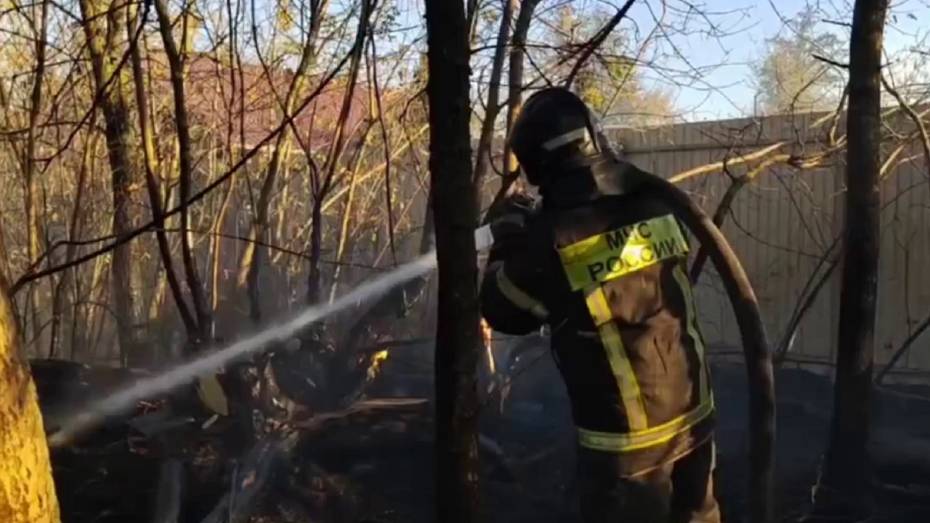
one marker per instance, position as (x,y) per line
(214,109)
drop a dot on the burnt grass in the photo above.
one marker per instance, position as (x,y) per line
(380,469)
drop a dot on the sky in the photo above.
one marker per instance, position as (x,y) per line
(718,70)
(725,91)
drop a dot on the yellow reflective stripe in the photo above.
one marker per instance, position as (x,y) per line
(633,404)
(519,298)
(612,254)
(617,357)
(616,442)
(692,326)
(598,307)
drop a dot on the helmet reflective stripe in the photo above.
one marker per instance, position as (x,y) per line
(567,138)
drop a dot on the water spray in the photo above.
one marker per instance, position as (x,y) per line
(94,413)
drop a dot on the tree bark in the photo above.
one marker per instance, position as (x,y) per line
(68,281)
(27,492)
(117,132)
(322,187)
(216,254)
(455,216)
(386,146)
(33,227)
(483,155)
(843,488)
(515,93)
(347,211)
(254,257)
(315,275)
(150,156)
(185,165)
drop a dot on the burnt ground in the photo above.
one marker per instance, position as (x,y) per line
(381,471)
(536,438)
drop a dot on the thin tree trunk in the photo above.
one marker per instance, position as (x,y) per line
(185,164)
(254,257)
(332,199)
(76,339)
(281,218)
(157,301)
(33,228)
(321,188)
(61,287)
(235,66)
(255,254)
(597,40)
(314,277)
(399,300)
(404,217)
(843,488)
(117,133)
(386,146)
(216,257)
(515,82)
(347,216)
(483,155)
(515,93)
(94,316)
(68,276)
(427,242)
(27,491)
(150,156)
(455,215)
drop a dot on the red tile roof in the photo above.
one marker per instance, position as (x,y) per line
(209,96)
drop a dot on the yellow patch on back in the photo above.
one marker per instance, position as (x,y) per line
(612,254)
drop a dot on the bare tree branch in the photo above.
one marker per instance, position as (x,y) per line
(915,118)
(597,40)
(130,235)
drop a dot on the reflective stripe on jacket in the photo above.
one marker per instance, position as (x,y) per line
(610,279)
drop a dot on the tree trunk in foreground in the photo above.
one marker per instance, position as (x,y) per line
(27,492)
(844,483)
(455,216)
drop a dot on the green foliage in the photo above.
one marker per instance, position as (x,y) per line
(790,79)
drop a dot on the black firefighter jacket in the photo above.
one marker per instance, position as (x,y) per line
(609,278)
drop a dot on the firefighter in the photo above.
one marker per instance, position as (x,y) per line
(602,263)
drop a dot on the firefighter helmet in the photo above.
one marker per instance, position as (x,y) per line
(556,133)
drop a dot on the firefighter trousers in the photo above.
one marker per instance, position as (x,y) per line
(680,491)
